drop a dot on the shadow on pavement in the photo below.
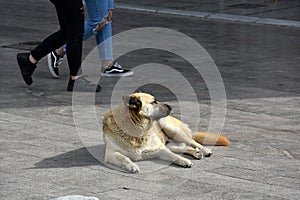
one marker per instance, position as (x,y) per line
(76,158)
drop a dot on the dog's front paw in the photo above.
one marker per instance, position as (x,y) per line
(207,153)
(198,154)
(185,162)
(133,168)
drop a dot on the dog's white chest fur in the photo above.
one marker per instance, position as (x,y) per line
(139,148)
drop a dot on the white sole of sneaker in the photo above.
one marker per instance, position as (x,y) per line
(131,73)
(50,67)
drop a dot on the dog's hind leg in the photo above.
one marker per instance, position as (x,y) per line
(180,132)
(182,148)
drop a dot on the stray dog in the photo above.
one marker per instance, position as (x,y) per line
(140,128)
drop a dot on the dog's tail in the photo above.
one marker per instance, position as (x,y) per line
(211,139)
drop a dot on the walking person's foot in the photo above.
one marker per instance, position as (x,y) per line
(116,70)
(54,60)
(82,84)
(26,67)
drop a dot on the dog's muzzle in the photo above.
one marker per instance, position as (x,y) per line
(169,108)
(162,111)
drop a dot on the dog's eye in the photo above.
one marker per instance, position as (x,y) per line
(154,102)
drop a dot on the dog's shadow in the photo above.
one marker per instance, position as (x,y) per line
(76,158)
(83,157)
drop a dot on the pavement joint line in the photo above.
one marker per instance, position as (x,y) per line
(210,15)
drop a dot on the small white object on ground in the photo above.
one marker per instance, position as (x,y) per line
(76,197)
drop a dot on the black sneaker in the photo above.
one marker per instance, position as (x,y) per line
(26,67)
(54,60)
(82,85)
(116,70)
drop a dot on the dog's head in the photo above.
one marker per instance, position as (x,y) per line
(145,105)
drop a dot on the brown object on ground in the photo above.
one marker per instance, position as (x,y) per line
(211,139)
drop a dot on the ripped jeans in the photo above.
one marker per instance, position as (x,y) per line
(97,11)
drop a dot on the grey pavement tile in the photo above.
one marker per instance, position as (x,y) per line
(17,186)
(42,156)
(294,18)
(137,7)
(47,115)
(265,176)
(128,194)
(184,13)
(279,22)
(230,193)
(288,13)
(15,161)
(83,179)
(258,106)
(250,12)
(33,128)
(157,189)
(29,149)
(232,17)
(246,185)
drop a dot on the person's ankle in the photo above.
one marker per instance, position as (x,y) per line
(74,77)
(60,51)
(107,63)
(32,59)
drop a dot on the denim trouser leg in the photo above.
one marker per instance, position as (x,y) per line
(97,11)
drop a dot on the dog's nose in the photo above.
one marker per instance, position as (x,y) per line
(169,107)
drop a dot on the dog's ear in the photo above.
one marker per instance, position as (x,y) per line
(132,102)
(125,99)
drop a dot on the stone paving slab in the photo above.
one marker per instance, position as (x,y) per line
(279,13)
(224,15)
(243,164)
(42,156)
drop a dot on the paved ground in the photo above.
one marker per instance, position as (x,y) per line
(44,153)
(282,13)
(288,10)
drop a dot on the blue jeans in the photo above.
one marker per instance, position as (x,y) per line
(97,11)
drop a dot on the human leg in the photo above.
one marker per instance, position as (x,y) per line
(94,12)
(27,61)
(55,58)
(74,16)
(104,42)
(97,11)
(111,67)
(71,17)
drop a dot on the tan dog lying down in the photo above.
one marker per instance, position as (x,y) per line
(140,128)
